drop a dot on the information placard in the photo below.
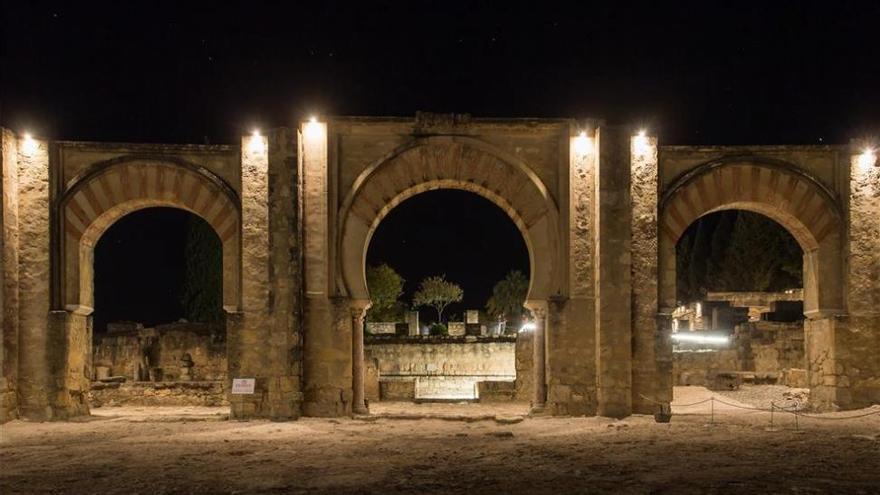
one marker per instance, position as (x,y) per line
(241,386)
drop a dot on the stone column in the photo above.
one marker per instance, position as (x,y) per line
(571,345)
(857,337)
(9,281)
(539,343)
(613,266)
(249,334)
(327,340)
(37,386)
(648,341)
(358,312)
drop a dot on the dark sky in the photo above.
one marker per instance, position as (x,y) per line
(698,72)
(454,233)
(695,72)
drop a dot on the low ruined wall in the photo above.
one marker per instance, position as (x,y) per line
(442,367)
(158,394)
(773,351)
(695,367)
(164,346)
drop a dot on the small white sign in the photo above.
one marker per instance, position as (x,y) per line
(241,386)
(472,316)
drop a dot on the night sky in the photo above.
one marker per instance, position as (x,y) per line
(468,238)
(694,72)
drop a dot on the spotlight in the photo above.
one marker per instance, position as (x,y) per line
(257,144)
(313,129)
(28,144)
(640,143)
(868,158)
(583,144)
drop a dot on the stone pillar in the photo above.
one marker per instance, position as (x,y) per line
(613,272)
(284,305)
(327,340)
(648,340)
(524,359)
(539,380)
(571,320)
(36,384)
(249,334)
(358,312)
(857,366)
(9,273)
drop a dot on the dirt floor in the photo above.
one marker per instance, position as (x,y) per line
(455,448)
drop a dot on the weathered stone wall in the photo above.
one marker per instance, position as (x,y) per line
(858,336)
(264,340)
(523,354)
(38,388)
(165,345)
(586,219)
(212,393)
(447,367)
(439,357)
(614,290)
(651,342)
(75,159)
(9,271)
(767,349)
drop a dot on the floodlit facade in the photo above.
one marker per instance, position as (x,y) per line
(600,208)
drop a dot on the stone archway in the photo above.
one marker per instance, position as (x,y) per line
(798,202)
(449,163)
(114,189)
(88,207)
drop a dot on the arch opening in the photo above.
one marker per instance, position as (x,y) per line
(740,317)
(94,209)
(158,304)
(796,202)
(445,352)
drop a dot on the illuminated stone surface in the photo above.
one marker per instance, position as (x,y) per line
(296,215)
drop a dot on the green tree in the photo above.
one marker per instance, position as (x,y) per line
(761,256)
(438,293)
(202,292)
(385,286)
(508,297)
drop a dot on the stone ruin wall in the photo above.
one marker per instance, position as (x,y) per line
(410,368)
(765,351)
(165,345)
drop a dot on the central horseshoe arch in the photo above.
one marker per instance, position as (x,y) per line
(450,163)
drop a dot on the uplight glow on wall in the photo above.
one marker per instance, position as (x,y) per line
(868,158)
(257,142)
(313,129)
(583,144)
(28,144)
(697,338)
(528,327)
(640,143)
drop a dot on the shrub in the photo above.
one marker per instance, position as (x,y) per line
(438,329)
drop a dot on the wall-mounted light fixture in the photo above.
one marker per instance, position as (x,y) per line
(868,158)
(257,143)
(29,145)
(583,144)
(313,129)
(640,144)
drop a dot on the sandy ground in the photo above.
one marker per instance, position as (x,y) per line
(456,448)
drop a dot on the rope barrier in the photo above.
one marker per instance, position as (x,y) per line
(794,408)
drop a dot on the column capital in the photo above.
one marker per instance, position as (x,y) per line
(538,307)
(358,308)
